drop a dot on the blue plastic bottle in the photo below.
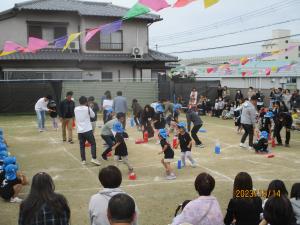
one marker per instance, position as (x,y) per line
(218,148)
(179,164)
(132,123)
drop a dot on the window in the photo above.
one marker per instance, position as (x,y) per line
(60,32)
(35,31)
(112,42)
(94,43)
(107,76)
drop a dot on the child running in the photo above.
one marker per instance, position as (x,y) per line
(120,145)
(185,142)
(168,154)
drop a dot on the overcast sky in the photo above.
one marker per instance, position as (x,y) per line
(193,16)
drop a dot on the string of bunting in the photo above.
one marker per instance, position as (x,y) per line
(140,8)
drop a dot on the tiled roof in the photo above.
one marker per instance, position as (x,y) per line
(51,54)
(84,8)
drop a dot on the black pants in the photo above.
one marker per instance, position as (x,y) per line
(249,130)
(109,140)
(137,118)
(194,132)
(87,136)
(277,130)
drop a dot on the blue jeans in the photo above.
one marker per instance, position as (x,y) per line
(109,140)
(41,119)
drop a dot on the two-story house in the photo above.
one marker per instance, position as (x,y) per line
(105,62)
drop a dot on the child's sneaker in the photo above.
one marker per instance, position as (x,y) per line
(171,177)
(96,162)
(194,165)
(157,142)
(250,148)
(242,145)
(15,200)
(83,162)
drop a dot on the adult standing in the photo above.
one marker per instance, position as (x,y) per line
(295,100)
(193,97)
(107,105)
(220,91)
(83,115)
(238,96)
(283,119)
(66,114)
(95,107)
(40,109)
(192,116)
(286,97)
(103,98)
(251,92)
(226,94)
(137,111)
(107,134)
(248,120)
(120,106)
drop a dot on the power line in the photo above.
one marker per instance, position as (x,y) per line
(230,33)
(234,45)
(236,19)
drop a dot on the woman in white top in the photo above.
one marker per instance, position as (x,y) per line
(107,105)
(193,97)
(286,97)
(40,107)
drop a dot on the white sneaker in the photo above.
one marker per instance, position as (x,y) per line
(250,148)
(96,162)
(171,177)
(200,146)
(157,143)
(242,145)
(83,162)
(194,165)
(15,200)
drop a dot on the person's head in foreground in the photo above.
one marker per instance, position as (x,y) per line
(242,181)
(121,210)
(204,184)
(295,192)
(279,211)
(253,100)
(42,202)
(277,187)
(83,100)
(110,177)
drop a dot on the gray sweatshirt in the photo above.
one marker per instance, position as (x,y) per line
(192,116)
(296,208)
(120,104)
(98,206)
(248,114)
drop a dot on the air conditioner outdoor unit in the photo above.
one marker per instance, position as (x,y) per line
(137,52)
(74,45)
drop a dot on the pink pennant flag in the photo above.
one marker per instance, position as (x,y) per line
(182,3)
(155,5)
(35,44)
(212,70)
(91,34)
(244,74)
(268,72)
(244,61)
(249,73)
(10,46)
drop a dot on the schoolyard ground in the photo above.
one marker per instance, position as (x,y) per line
(156,198)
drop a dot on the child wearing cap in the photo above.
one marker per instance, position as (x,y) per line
(13,181)
(159,121)
(261,146)
(168,154)
(120,146)
(185,142)
(266,122)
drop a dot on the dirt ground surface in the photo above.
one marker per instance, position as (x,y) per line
(156,197)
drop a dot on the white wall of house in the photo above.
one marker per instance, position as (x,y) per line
(15,28)
(135,33)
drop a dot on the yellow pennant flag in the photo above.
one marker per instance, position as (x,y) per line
(7,53)
(209,3)
(274,69)
(71,38)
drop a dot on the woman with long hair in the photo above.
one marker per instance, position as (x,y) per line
(43,205)
(147,117)
(245,207)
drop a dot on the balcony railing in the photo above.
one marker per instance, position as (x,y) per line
(111,46)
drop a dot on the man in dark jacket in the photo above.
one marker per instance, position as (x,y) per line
(66,115)
(284,119)
(192,116)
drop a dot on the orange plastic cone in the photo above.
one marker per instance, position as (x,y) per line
(273,143)
(132,176)
(109,154)
(87,144)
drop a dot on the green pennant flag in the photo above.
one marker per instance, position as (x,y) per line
(136,10)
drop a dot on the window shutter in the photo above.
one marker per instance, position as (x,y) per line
(35,31)
(60,32)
